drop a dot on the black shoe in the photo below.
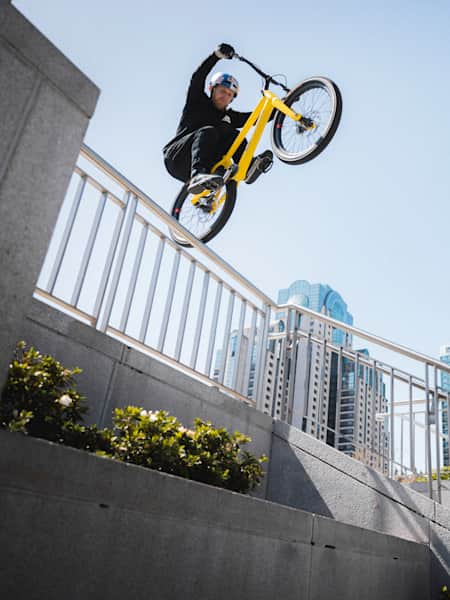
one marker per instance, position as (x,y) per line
(204,181)
(260,164)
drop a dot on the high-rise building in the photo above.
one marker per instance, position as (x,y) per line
(333,397)
(321,298)
(316,382)
(238,371)
(444,355)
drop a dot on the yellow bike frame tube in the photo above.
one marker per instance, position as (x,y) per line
(249,152)
(227,159)
(259,118)
(281,106)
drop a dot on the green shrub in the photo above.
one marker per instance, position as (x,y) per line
(39,397)
(159,441)
(87,437)
(444,474)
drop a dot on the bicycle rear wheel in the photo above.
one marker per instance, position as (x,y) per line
(203,215)
(319,101)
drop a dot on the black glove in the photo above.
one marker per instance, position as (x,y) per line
(224,51)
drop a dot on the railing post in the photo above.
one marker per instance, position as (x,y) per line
(392,423)
(151,290)
(261,359)
(292,355)
(105,312)
(199,325)
(184,312)
(237,366)
(248,360)
(212,336)
(133,280)
(321,390)
(88,250)
(412,433)
(169,301)
(338,398)
(226,337)
(428,434)
(436,421)
(66,234)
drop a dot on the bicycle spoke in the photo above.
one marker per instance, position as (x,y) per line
(315,104)
(199,213)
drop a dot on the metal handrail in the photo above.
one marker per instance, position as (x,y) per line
(174,224)
(227,268)
(370,337)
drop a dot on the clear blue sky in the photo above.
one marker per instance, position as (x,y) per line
(371,215)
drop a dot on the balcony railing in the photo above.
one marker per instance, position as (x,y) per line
(112,264)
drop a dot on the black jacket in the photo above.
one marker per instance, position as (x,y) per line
(199,109)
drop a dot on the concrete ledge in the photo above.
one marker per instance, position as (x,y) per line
(310,475)
(38,50)
(83,526)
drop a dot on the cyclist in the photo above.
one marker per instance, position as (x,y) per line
(207,129)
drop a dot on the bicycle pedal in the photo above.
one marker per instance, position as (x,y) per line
(262,164)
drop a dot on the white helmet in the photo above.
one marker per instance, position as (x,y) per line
(224,79)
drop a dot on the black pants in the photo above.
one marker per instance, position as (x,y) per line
(200,150)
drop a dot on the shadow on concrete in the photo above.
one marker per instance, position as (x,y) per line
(289,483)
(416,522)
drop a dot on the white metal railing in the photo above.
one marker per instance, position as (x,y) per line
(112,264)
(401,385)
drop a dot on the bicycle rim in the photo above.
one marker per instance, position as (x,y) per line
(203,215)
(317,99)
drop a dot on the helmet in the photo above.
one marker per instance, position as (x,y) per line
(224,79)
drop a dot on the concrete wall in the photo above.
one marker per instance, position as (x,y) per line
(302,472)
(45,106)
(115,375)
(74,525)
(422,487)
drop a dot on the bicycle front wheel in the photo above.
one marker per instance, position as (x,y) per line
(203,215)
(319,102)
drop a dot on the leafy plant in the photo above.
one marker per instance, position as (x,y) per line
(39,397)
(87,437)
(158,440)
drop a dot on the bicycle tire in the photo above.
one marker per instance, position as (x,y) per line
(200,216)
(294,144)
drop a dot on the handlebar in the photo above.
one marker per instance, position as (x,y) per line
(268,79)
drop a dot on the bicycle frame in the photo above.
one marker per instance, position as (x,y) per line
(259,118)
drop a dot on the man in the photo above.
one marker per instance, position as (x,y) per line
(207,129)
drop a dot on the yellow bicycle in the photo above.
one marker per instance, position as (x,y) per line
(304,123)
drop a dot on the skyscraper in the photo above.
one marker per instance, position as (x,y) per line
(321,298)
(445,384)
(333,397)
